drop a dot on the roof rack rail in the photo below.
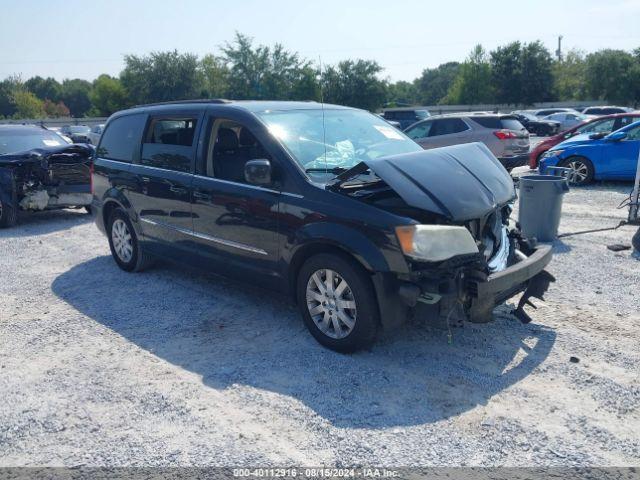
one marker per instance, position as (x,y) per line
(174,102)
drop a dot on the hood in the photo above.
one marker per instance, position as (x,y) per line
(575,140)
(460,182)
(37,155)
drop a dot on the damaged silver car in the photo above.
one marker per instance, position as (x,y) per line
(39,170)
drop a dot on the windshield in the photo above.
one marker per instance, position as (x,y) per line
(20,141)
(327,142)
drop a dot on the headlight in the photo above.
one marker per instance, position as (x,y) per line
(552,153)
(434,243)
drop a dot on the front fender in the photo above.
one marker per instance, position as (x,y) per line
(374,250)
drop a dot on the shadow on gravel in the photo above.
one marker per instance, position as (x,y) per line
(48,221)
(233,334)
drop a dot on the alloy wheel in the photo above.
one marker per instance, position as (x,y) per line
(122,241)
(578,173)
(331,303)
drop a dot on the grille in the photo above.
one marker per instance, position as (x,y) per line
(70,174)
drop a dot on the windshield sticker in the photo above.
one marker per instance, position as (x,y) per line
(389,132)
(51,143)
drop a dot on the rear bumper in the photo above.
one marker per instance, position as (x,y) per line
(513,162)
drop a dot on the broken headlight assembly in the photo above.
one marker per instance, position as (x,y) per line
(435,243)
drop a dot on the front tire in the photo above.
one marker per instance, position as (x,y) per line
(8,214)
(581,170)
(337,302)
(123,242)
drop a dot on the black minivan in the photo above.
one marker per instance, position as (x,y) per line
(329,204)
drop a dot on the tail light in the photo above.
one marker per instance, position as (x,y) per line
(505,134)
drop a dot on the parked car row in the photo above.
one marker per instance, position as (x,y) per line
(596,156)
(605,124)
(504,135)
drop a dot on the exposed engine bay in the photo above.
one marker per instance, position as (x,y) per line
(462,186)
(46,178)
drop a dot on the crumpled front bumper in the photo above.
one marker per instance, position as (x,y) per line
(496,288)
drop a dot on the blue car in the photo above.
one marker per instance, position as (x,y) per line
(597,157)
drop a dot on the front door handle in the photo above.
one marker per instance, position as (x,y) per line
(178,190)
(202,196)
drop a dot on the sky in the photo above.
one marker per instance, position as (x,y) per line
(72,38)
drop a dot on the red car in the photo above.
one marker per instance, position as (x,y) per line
(606,123)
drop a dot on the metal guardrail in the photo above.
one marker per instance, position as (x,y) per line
(55,122)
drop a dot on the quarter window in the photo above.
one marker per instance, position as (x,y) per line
(121,138)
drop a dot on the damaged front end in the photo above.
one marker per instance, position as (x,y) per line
(46,178)
(462,255)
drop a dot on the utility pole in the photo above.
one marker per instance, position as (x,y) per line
(559,51)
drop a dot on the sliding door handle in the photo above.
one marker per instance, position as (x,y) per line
(179,190)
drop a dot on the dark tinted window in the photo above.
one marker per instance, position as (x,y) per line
(169,144)
(624,121)
(122,137)
(172,131)
(447,126)
(488,121)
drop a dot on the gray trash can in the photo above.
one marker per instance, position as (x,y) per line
(541,205)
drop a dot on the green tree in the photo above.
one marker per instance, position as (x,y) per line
(27,105)
(473,82)
(7,87)
(161,77)
(506,73)
(434,83)
(107,96)
(75,95)
(569,76)
(611,76)
(402,93)
(55,110)
(355,83)
(215,76)
(537,76)
(44,88)
(268,73)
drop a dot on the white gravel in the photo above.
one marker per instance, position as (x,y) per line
(170,367)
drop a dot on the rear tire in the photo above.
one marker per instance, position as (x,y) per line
(337,302)
(123,242)
(582,170)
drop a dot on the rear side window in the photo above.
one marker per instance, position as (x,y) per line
(447,126)
(488,121)
(168,144)
(510,123)
(122,138)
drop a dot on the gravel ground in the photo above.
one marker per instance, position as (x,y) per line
(170,367)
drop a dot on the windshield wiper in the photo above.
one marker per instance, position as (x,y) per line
(333,170)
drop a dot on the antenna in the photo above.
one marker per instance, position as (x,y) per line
(559,51)
(324,130)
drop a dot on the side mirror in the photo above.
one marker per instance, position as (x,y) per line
(258,172)
(597,135)
(616,136)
